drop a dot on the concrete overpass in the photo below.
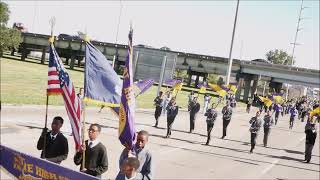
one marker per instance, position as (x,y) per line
(196,64)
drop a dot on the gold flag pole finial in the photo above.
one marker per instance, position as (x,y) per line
(86,38)
(51,39)
(52,22)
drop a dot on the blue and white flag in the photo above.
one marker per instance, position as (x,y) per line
(102,85)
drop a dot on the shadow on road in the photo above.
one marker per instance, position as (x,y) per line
(162,128)
(237,158)
(155,135)
(290,159)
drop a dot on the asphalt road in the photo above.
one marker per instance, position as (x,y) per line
(183,156)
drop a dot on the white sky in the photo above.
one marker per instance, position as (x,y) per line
(202,27)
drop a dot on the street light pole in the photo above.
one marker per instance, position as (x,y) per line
(230,53)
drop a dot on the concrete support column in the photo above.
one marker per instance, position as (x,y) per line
(254,87)
(12,51)
(247,87)
(24,53)
(189,79)
(73,58)
(67,60)
(117,66)
(104,51)
(43,57)
(205,78)
(264,88)
(197,81)
(239,91)
(275,87)
(79,61)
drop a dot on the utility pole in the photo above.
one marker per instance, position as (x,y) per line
(230,53)
(295,42)
(119,19)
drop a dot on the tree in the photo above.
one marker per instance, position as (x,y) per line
(212,78)
(279,57)
(179,73)
(4,13)
(9,38)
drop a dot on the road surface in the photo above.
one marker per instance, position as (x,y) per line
(183,156)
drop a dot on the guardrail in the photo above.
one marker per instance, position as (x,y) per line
(183,54)
(280,66)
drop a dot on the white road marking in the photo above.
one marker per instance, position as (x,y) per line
(301,139)
(176,148)
(270,166)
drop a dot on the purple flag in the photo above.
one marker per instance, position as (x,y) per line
(172,82)
(277,94)
(202,85)
(224,88)
(127,131)
(235,84)
(144,85)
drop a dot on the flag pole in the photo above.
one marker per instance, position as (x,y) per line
(45,127)
(52,23)
(83,136)
(83,131)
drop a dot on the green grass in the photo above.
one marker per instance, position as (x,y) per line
(25,82)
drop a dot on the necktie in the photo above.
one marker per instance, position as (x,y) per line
(90,144)
(52,138)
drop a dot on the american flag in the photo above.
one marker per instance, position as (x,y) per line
(71,100)
(53,79)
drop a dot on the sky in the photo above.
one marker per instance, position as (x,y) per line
(201,27)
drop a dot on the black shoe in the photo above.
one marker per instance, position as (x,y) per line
(308,161)
(207,143)
(223,137)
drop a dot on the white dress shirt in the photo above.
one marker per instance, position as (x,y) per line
(53,137)
(94,142)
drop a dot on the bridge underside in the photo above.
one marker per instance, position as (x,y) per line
(247,73)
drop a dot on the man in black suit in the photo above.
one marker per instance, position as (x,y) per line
(172,111)
(193,108)
(226,117)
(211,118)
(158,102)
(96,159)
(311,136)
(56,145)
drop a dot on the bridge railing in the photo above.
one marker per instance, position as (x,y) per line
(280,66)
